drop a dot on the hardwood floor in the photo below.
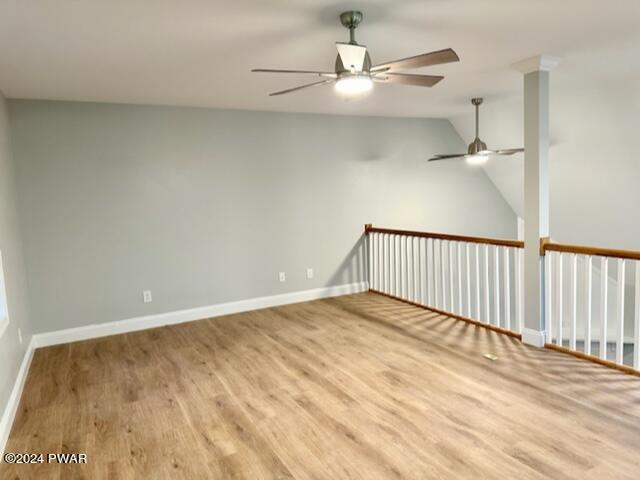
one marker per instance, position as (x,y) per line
(358,387)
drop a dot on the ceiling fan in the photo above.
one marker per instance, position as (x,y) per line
(354,73)
(477,153)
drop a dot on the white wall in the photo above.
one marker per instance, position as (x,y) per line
(11,351)
(205,206)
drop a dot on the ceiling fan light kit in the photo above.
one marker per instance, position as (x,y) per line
(354,73)
(477,152)
(351,85)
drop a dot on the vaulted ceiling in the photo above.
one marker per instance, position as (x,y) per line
(199,52)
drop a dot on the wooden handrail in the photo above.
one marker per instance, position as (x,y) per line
(602,252)
(545,244)
(368,228)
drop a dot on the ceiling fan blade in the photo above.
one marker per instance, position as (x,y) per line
(289,90)
(507,151)
(425,60)
(408,79)
(269,70)
(352,56)
(448,157)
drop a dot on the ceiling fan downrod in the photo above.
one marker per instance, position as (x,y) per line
(351,20)
(477,145)
(477,102)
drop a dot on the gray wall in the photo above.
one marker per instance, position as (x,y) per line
(205,206)
(11,351)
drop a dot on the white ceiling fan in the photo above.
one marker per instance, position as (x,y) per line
(354,73)
(477,153)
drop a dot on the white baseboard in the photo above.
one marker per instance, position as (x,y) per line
(533,337)
(180,316)
(11,409)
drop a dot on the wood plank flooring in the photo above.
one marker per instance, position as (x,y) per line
(355,387)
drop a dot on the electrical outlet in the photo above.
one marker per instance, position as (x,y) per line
(146,296)
(309,273)
(20,336)
(282,277)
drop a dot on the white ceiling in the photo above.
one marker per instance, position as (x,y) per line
(199,52)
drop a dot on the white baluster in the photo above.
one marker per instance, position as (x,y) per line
(374,277)
(424,271)
(496,281)
(604,296)
(548,287)
(443,283)
(451,292)
(377,259)
(408,268)
(405,268)
(383,263)
(417,284)
(636,346)
(374,259)
(387,264)
(394,266)
(436,271)
(559,306)
(437,251)
(409,263)
(431,274)
(390,260)
(588,302)
(478,315)
(620,312)
(507,289)
(398,261)
(374,265)
(459,266)
(399,239)
(519,281)
(416,269)
(574,300)
(487,296)
(468,265)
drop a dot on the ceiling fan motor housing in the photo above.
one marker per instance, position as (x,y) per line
(341,70)
(351,19)
(476,146)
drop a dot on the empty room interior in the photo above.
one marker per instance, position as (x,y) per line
(319,240)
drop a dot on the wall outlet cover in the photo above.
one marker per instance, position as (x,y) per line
(282,277)
(146,296)
(309,273)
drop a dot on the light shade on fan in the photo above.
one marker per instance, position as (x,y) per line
(354,85)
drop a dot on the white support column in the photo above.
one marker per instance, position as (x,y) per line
(536,191)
